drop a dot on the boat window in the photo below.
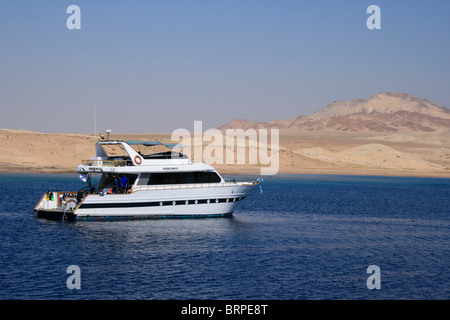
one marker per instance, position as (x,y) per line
(143,179)
(179,178)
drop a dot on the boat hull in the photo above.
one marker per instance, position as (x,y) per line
(55,215)
(155,204)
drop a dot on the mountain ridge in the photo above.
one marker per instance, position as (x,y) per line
(384,112)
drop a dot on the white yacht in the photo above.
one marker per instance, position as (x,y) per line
(138,185)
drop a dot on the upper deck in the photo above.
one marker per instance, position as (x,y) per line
(138,156)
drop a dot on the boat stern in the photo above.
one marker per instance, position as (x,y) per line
(58,205)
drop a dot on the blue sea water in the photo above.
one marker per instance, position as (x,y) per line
(304,237)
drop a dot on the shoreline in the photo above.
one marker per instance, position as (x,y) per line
(255,171)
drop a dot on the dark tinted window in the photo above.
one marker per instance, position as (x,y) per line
(179,178)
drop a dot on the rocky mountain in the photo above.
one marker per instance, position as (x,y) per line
(384,112)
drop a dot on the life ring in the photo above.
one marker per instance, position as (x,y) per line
(138,160)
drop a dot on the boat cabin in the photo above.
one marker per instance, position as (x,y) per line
(127,164)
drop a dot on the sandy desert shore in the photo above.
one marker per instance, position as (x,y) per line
(394,154)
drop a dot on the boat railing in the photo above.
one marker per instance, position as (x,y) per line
(105,163)
(196,185)
(234,180)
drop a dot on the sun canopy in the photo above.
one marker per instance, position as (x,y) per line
(145,143)
(152,143)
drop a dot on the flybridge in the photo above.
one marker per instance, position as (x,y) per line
(169,153)
(133,157)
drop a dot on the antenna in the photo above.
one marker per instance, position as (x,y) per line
(95,119)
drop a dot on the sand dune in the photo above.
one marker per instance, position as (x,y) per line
(436,138)
(383,157)
(34,151)
(419,155)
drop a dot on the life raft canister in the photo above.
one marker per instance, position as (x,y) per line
(138,160)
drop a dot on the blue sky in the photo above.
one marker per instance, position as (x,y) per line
(160,65)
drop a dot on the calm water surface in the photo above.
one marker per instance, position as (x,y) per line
(304,237)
